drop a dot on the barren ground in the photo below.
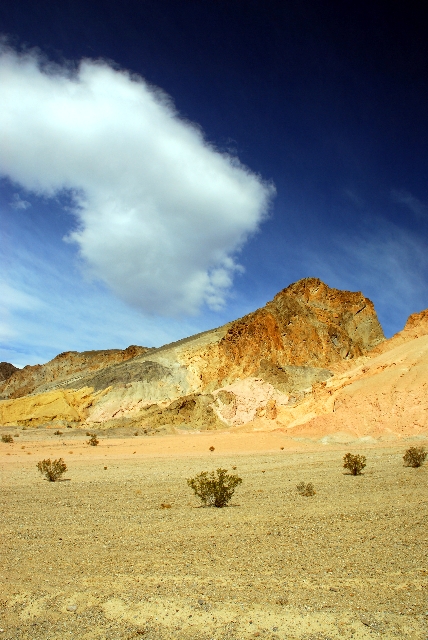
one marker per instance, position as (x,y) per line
(97,557)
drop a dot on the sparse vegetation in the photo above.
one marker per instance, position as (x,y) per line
(57,433)
(7,437)
(136,433)
(306,489)
(415,457)
(52,469)
(354,463)
(93,440)
(212,448)
(214,489)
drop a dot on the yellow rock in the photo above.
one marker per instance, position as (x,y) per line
(39,409)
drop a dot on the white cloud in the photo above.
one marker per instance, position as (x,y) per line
(48,308)
(161,214)
(18,203)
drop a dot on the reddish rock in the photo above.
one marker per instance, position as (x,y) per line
(306,324)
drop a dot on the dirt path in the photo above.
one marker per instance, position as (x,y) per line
(97,557)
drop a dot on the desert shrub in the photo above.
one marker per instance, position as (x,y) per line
(57,433)
(415,457)
(354,463)
(305,489)
(7,437)
(52,469)
(93,440)
(212,448)
(214,489)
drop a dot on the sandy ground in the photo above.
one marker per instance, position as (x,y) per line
(98,557)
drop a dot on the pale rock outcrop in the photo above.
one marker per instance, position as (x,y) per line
(240,402)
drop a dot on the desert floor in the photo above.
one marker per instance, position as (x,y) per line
(97,556)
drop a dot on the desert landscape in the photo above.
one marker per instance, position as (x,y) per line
(121,548)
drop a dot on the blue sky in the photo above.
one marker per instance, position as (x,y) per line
(169,166)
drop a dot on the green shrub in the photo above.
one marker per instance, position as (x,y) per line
(355,464)
(52,469)
(305,489)
(214,489)
(415,457)
(93,440)
(6,437)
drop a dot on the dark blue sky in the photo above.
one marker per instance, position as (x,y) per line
(327,100)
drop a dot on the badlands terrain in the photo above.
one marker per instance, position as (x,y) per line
(122,549)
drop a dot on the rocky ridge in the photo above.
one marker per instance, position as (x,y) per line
(65,369)
(268,360)
(6,370)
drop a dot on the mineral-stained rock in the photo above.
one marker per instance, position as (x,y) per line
(50,408)
(290,378)
(287,347)
(63,369)
(307,324)
(124,373)
(244,400)
(6,370)
(189,412)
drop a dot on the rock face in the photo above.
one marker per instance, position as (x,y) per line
(6,370)
(63,369)
(284,350)
(382,397)
(308,324)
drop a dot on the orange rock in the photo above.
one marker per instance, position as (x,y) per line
(306,324)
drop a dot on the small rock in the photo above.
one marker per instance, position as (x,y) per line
(201,602)
(333,589)
(72,607)
(275,628)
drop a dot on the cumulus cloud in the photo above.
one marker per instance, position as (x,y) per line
(160,213)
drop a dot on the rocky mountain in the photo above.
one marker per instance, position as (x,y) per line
(276,355)
(383,395)
(6,370)
(65,368)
